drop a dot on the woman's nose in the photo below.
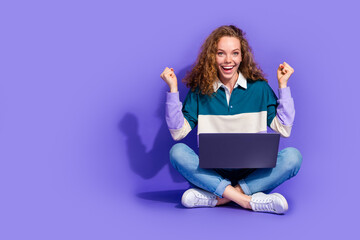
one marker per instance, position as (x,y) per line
(227,59)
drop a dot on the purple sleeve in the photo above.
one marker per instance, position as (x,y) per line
(173,114)
(285,110)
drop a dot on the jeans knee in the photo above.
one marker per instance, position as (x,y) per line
(176,152)
(292,159)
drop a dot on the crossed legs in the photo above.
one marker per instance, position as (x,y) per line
(186,161)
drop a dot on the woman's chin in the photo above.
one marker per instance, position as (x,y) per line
(226,77)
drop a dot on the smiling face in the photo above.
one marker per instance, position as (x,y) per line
(228,58)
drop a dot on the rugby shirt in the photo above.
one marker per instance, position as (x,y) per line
(251,107)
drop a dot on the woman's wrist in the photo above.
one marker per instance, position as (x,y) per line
(282,85)
(173,89)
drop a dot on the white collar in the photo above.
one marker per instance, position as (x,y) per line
(241,81)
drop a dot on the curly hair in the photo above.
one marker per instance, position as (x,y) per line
(204,72)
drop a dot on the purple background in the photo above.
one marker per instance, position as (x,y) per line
(83,140)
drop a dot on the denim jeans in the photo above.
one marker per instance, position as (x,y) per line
(186,161)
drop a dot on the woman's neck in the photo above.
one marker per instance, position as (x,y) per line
(231,82)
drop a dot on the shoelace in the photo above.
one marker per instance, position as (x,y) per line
(265,204)
(203,200)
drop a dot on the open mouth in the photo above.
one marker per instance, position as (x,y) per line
(227,68)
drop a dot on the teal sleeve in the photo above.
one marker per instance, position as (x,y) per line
(271,102)
(191,108)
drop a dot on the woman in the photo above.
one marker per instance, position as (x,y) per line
(229,93)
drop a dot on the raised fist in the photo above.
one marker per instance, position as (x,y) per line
(169,77)
(284,71)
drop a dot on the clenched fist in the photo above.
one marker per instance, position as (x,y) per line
(284,71)
(169,77)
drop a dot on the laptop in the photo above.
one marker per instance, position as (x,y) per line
(238,150)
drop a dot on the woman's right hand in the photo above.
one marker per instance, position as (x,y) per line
(169,77)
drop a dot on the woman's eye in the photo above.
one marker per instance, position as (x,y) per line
(236,53)
(220,53)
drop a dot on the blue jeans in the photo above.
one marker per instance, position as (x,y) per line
(186,161)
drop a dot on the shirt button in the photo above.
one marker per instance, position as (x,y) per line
(230,106)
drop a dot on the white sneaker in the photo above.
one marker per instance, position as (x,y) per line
(195,197)
(273,203)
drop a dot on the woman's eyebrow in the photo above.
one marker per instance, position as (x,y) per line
(236,49)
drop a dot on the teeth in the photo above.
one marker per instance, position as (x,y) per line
(227,67)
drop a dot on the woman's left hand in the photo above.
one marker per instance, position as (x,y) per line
(283,74)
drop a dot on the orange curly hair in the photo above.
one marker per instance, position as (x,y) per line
(204,72)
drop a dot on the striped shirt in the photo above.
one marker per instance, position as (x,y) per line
(251,107)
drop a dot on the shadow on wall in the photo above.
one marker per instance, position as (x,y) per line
(148,164)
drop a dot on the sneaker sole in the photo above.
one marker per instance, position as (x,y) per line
(183,198)
(284,200)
